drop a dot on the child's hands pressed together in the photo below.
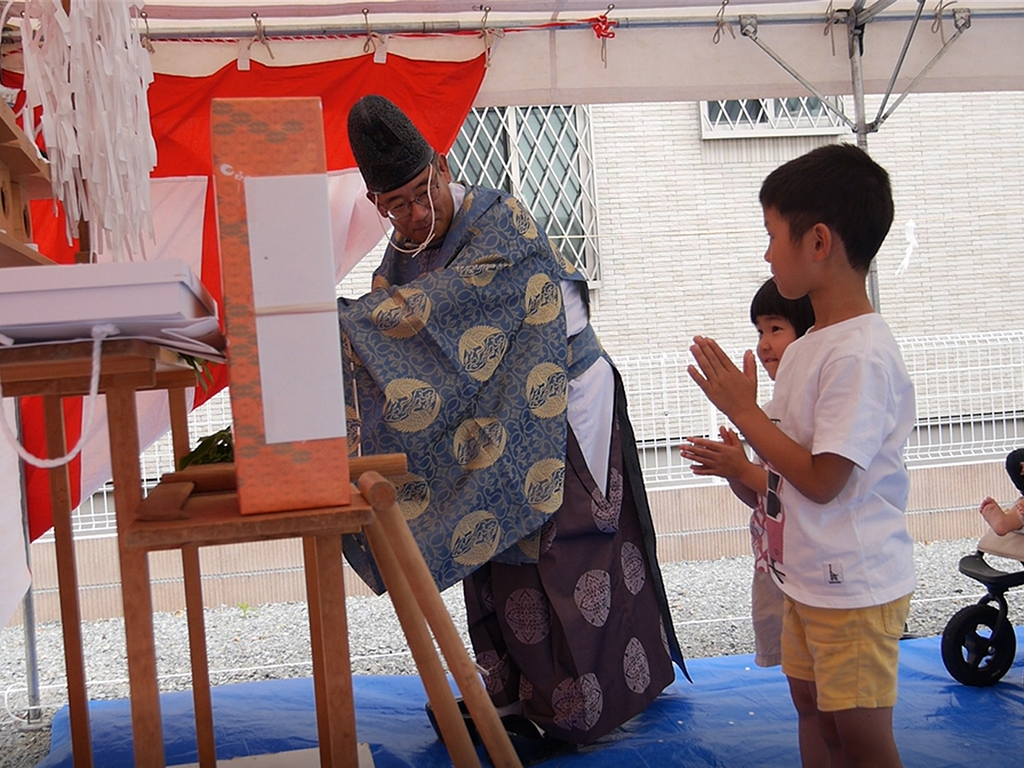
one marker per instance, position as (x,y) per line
(725,458)
(730,389)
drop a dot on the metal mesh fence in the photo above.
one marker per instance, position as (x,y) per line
(969,392)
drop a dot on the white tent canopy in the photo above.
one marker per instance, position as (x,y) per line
(548,52)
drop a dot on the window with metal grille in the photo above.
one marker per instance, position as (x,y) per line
(752,118)
(543,156)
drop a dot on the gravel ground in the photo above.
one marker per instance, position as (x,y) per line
(710,604)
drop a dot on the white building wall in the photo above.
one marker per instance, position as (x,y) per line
(682,238)
(958,173)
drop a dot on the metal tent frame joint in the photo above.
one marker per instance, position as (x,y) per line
(856,23)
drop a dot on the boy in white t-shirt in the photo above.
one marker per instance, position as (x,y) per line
(837,484)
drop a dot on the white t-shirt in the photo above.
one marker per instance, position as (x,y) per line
(844,389)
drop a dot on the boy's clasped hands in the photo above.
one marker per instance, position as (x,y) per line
(723,384)
(726,386)
(730,390)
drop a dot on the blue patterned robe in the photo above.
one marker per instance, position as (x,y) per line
(465,370)
(461,361)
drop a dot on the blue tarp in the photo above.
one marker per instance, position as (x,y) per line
(734,715)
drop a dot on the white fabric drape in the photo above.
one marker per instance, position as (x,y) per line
(14,574)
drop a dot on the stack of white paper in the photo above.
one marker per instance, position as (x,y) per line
(160,301)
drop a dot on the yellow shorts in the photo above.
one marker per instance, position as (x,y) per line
(850,654)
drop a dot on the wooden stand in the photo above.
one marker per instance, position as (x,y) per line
(199,507)
(56,371)
(415,596)
(206,519)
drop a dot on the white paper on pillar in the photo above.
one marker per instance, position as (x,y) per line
(297,333)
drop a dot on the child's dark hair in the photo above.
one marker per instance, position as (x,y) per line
(768,301)
(840,186)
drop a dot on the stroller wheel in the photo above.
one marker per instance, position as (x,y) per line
(975,649)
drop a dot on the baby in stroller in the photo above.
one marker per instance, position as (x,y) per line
(1003,521)
(979,643)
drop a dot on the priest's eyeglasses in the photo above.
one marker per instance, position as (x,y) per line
(403,209)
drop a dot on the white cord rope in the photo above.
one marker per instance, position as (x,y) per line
(414,252)
(99,333)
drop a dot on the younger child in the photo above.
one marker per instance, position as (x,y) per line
(1005,521)
(779,322)
(837,484)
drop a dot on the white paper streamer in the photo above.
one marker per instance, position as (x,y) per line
(89,73)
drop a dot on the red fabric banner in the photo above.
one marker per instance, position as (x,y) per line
(437,96)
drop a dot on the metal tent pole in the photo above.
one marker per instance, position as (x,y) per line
(33,712)
(857,18)
(855,41)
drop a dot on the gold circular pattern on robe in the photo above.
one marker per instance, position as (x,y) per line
(547,390)
(566,264)
(412,494)
(478,443)
(544,484)
(480,275)
(380,283)
(411,405)
(475,539)
(543,300)
(522,220)
(481,350)
(404,314)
